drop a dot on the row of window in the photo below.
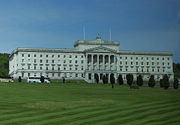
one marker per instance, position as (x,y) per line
(144,63)
(147,69)
(53,56)
(53,75)
(53,61)
(53,68)
(147,58)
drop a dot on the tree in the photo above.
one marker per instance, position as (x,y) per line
(120,80)
(112,80)
(166,83)
(151,82)
(96,78)
(129,78)
(139,80)
(19,79)
(175,84)
(161,83)
(105,79)
(42,79)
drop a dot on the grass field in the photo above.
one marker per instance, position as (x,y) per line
(87,104)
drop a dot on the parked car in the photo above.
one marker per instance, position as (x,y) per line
(37,80)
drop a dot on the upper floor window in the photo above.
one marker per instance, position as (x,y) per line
(34,55)
(75,56)
(52,61)
(22,55)
(52,56)
(70,56)
(46,55)
(41,55)
(28,55)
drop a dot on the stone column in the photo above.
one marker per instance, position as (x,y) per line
(98,62)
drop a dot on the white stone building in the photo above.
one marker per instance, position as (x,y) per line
(89,57)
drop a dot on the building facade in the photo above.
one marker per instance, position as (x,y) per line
(87,59)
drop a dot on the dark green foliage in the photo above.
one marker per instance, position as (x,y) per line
(96,78)
(4,64)
(129,78)
(112,80)
(151,82)
(139,80)
(176,69)
(42,79)
(120,80)
(105,79)
(166,83)
(161,83)
(19,79)
(175,84)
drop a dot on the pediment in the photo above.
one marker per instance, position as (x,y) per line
(101,49)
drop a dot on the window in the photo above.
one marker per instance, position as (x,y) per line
(34,67)
(152,63)
(131,63)
(28,66)
(70,61)
(64,56)
(34,55)
(147,58)
(70,56)
(141,63)
(157,58)
(22,55)
(53,68)
(58,68)
(41,55)
(64,61)
(75,56)
(52,61)
(40,68)
(28,74)
(58,56)
(131,58)
(46,61)
(147,63)
(82,61)
(28,55)
(136,63)
(126,58)
(81,56)
(34,60)
(46,55)
(162,58)
(22,60)
(40,60)
(82,68)
(75,61)
(52,56)
(46,68)
(136,58)
(76,75)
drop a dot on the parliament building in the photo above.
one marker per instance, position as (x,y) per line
(87,59)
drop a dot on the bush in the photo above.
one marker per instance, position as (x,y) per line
(19,79)
(129,78)
(175,84)
(105,79)
(120,80)
(139,80)
(112,79)
(151,82)
(42,79)
(96,78)
(161,83)
(166,83)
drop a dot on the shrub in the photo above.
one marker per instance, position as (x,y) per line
(105,79)
(129,78)
(166,83)
(151,82)
(175,84)
(42,79)
(96,78)
(19,79)
(120,80)
(161,83)
(139,80)
(112,79)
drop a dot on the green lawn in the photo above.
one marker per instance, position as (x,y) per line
(87,104)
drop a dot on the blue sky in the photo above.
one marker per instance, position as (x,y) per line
(142,25)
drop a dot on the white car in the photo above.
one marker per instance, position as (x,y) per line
(37,80)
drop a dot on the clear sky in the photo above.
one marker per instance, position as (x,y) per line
(142,25)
